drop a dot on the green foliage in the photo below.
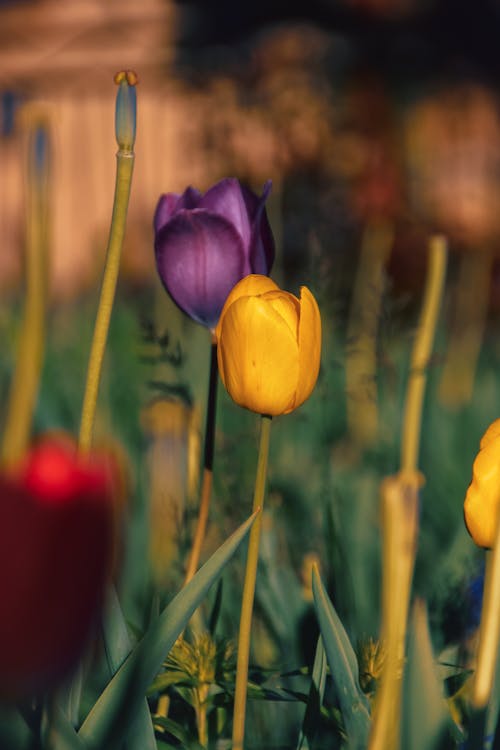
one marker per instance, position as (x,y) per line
(108,721)
(344,669)
(425,717)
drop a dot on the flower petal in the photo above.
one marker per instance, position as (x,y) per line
(491,433)
(288,306)
(200,257)
(170,203)
(258,357)
(262,248)
(309,345)
(227,199)
(482,502)
(249,286)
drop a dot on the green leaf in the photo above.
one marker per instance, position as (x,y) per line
(177,731)
(117,643)
(166,679)
(110,717)
(61,735)
(425,716)
(118,646)
(343,668)
(315,698)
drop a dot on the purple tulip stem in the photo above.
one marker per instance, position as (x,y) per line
(206,486)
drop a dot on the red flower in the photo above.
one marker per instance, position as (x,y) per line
(56,553)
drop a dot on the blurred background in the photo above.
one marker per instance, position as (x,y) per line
(359,110)
(378,123)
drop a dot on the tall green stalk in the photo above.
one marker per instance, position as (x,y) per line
(206,486)
(29,360)
(114,630)
(489,630)
(125,123)
(240,692)
(399,503)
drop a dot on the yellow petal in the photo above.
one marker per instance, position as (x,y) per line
(309,346)
(249,286)
(253,284)
(492,432)
(482,501)
(288,306)
(258,356)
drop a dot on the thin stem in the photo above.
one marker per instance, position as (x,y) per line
(124,169)
(201,713)
(240,692)
(206,488)
(489,631)
(28,367)
(421,353)
(399,502)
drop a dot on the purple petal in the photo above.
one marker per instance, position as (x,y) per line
(164,209)
(229,199)
(262,240)
(200,257)
(170,203)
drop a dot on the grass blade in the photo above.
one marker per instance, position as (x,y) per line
(315,699)
(424,708)
(343,667)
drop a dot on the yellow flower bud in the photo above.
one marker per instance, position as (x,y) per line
(483,496)
(269,346)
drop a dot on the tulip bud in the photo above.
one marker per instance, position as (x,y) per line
(56,549)
(482,501)
(204,244)
(269,346)
(125,110)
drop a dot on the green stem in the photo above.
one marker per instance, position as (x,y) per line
(124,169)
(399,501)
(206,488)
(26,376)
(240,693)
(201,713)
(399,505)
(422,349)
(489,631)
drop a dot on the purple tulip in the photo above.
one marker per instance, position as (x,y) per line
(204,244)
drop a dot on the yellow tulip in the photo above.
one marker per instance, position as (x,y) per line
(268,346)
(482,501)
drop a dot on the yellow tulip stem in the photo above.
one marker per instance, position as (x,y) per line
(124,170)
(489,630)
(29,361)
(206,487)
(422,348)
(399,502)
(240,692)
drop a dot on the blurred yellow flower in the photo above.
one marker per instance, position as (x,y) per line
(483,496)
(269,346)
